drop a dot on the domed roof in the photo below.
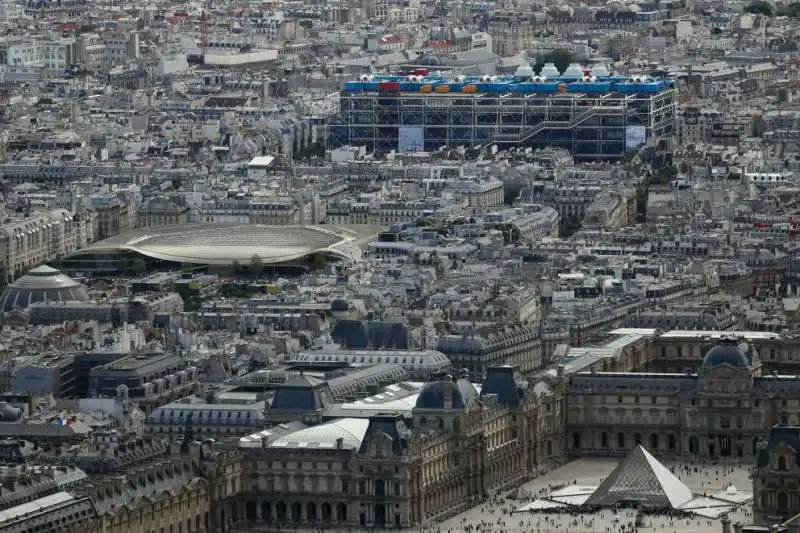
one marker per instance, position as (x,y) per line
(447,393)
(42,284)
(726,353)
(339,305)
(44,277)
(9,413)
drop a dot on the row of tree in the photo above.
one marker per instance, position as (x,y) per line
(760,7)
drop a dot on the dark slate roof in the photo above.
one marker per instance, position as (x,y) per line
(726,353)
(300,393)
(363,334)
(43,431)
(787,434)
(447,392)
(429,60)
(767,386)
(392,426)
(9,413)
(620,382)
(501,381)
(457,344)
(339,305)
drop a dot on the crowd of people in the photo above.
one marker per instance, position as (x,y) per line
(497,514)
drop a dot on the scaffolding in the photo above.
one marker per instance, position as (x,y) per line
(592,126)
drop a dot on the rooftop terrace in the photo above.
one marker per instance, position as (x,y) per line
(434,84)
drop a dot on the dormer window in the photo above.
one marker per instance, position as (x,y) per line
(782,464)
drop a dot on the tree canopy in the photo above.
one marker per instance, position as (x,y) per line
(664,175)
(561,58)
(138,266)
(759,7)
(256,264)
(791,10)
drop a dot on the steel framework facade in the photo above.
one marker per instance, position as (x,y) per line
(591,126)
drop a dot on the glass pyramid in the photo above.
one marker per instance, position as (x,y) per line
(641,479)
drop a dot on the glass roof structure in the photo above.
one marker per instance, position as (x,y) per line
(641,478)
(226,244)
(41,284)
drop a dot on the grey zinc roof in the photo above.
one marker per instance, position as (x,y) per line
(207,414)
(411,360)
(41,504)
(267,436)
(130,491)
(324,436)
(397,399)
(51,478)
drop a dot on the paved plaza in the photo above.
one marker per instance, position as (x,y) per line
(496,515)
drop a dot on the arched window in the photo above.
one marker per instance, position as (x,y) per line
(782,464)
(694,444)
(783,502)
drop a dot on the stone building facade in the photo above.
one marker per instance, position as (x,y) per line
(455,444)
(304,478)
(776,493)
(162,212)
(167,494)
(441,447)
(519,345)
(41,237)
(683,351)
(721,411)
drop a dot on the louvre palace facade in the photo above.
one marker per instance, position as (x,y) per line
(412,454)
(723,409)
(418,452)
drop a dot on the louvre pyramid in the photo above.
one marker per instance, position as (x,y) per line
(643,479)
